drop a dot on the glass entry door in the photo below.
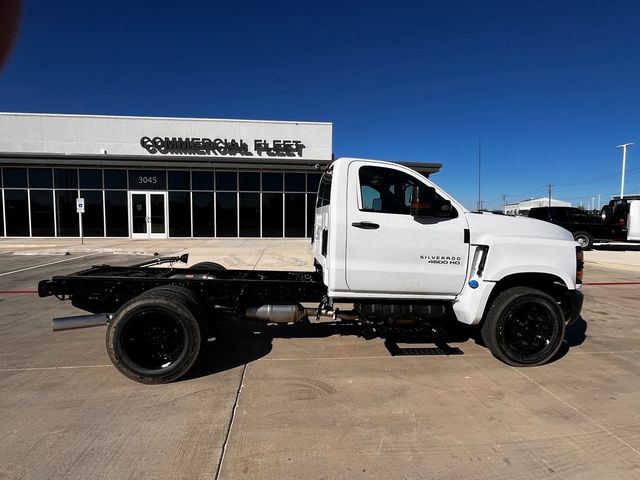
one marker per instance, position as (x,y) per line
(148,214)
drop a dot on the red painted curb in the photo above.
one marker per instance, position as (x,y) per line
(9,292)
(611,283)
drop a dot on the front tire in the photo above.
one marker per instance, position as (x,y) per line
(155,337)
(585,239)
(523,327)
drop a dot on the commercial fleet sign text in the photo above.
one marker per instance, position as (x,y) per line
(221,147)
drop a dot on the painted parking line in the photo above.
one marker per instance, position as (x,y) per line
(50,263)
(70,367)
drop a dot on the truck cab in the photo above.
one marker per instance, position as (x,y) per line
(373,243)
(369,244)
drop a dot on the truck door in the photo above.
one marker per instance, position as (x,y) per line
(388,250)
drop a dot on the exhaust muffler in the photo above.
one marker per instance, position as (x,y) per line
(79,321)
(275,313)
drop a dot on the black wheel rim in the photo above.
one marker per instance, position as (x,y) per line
(528,330)
(153,340)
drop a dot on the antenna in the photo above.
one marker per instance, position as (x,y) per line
(479,169)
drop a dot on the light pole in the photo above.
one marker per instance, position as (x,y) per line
(624,163)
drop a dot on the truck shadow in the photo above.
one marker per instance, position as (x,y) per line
(574,336)
(234,345)
(627,247)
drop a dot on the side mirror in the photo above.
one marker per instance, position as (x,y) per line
(425,203)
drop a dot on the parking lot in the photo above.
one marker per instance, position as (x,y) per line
(313,401)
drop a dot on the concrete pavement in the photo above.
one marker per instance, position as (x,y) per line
(313,401)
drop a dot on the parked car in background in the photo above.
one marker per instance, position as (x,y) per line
(586,228)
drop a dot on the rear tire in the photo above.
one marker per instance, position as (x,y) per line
(155,337)
(524,327)
(585,239)
(207,266)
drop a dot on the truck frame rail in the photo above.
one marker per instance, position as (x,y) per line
(104,289)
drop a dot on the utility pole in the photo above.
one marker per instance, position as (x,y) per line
(550,194)
(624,163)
(479,169)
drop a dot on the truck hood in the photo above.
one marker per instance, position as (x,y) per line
(487,224)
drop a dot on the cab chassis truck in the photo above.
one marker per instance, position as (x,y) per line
(387,241)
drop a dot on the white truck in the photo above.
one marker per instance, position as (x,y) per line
(387,242)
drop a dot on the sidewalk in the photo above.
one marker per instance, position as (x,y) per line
(267,254)
(627,258)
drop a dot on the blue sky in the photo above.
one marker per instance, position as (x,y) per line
(551,87)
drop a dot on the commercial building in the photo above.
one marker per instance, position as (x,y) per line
(523,207)
(141,177)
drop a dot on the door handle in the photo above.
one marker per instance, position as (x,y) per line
(366,225)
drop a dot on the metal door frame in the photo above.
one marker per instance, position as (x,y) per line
(147,194)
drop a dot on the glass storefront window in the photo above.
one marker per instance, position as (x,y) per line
(272,215)
(179,180)
(116,210)
(202,180)
(311,213)
(249,214)
(226,181)
(66,178)
(179,214)
(294,182)
(115,179)
(203,214)
(226,214)
(249,181)
(40,178)
(92,219)
(42,213)
(201,203)
(294,225)
(15,177)
(66,216)
(17,212)
(313,181)
(91,178)
(271,182)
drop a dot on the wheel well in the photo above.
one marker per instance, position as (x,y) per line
(545,282)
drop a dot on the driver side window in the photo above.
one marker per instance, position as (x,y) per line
(385,190)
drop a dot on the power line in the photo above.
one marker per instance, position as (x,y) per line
(595,179)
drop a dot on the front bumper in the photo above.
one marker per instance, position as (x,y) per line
(575,299)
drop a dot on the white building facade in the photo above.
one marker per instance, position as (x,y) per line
(143,177)
(159,177)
